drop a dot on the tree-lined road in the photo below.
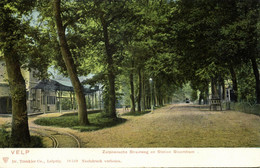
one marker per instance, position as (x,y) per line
(180,126)
(177,125)
(138,50)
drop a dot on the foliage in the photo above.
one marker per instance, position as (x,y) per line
(158,38)
(125,43)
(194,95)
(245,83)
(14,45)
(221,41)
(66,104)
(5,137)
(32,45)
(6,141)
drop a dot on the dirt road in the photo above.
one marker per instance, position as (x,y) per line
(179,125)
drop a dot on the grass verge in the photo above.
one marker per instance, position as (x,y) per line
(136,113)
(246,108)
(6,141)
(97,121)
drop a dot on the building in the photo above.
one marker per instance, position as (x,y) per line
(5,96)
(52,95)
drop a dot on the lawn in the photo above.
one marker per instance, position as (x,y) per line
(97,121)
(136,113)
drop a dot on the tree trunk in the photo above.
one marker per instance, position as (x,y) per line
(140,90)
(214,88)
(70,65)
(110,68)
(132,95)
(112,95)
(20,131)
(160,95)
(254,50)
(155,94)
(207,95)
(147,100)
(143,93)
(222,88)
(234,81)
(200,98)
(149,96)
(257,81)
(20,135)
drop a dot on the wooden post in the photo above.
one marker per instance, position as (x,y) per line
(45,99)
(92,96)
(100,100)
(60,101)
(71,101)
(73,98)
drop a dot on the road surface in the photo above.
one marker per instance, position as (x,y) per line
(177,125)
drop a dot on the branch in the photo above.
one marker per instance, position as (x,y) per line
(116,16)
(71,21)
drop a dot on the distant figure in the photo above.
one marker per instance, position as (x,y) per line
(187,100)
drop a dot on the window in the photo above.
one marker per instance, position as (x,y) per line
(50,99)
(43,100)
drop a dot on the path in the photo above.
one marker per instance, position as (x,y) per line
(180,125)
(51,136)
(54,136)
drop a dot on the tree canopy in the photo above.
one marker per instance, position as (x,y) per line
(142,52)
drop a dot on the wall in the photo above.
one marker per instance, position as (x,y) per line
(49,107)
(4,90)
(30,81)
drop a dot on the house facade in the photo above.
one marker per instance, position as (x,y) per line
(38,100)
(44,95)
(5,96)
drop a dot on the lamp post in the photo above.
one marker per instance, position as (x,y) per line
(228,98)
(151,86)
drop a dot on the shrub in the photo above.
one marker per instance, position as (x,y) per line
(4,137)
(36,142)
(6,141)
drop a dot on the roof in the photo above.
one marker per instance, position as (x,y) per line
(53,85)
(56,76)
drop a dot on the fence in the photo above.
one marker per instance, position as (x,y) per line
(250,108)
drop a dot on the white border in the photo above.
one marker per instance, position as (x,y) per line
(129,157)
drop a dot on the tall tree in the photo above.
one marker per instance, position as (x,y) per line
(70,65)
(239,38)
(253,17)
(12,33)
(102,19)
(110,68)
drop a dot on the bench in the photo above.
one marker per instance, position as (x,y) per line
(215,103)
